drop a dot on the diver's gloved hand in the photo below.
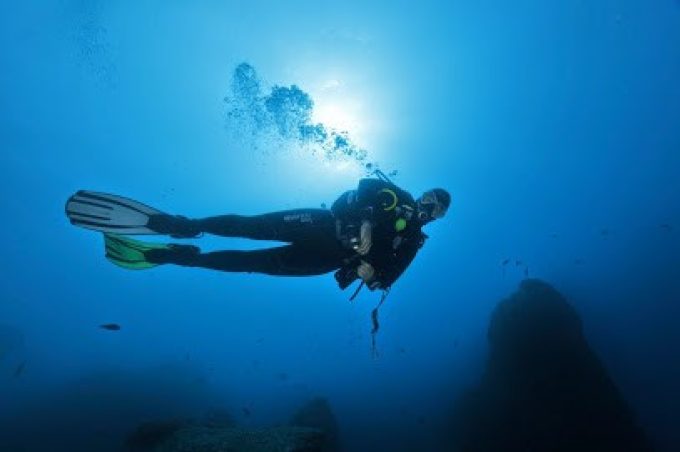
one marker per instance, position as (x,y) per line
(365,238)
(345,277)
(173,254)
(366,272)
(175,226)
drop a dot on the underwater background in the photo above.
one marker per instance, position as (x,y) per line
(555,126)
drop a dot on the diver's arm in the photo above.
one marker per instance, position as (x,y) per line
(378,270)
(348,274)
(393,266)
(354,213)
(343,207)
(359,211)
(365,238)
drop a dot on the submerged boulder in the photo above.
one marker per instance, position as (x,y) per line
(313,428)
(217,432)
(544,388)
(317,414)
(149,435)
(235,439)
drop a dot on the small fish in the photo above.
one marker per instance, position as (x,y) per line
(246,411)
(666,227)
(518,263)
(393,173)
(605,232)
(526,271)
(260,340)
(20,370)
(455,343)
(554,235)
(323,205)
(110,327)
(402,350)
(578,262)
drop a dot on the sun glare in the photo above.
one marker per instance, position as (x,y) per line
(336,108)
(336,115)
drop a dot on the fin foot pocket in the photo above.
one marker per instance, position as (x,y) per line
(177,226)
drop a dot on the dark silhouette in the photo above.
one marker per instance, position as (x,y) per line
(317,414)
(544,389)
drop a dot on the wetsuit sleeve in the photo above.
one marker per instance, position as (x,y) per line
(343,207)
(393,265)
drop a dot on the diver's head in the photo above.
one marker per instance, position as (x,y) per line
(432,205)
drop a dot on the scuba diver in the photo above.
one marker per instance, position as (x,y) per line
(370,234)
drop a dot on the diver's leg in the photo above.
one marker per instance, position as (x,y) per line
(299,225)
(289,260)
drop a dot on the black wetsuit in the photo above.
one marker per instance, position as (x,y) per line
(313,248)
(394,245)
(319,240)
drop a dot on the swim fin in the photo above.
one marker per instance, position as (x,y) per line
(137,255)
(110,213)
(128,253)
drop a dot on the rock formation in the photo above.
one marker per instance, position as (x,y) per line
(313,428)
(317,414)
(544,388)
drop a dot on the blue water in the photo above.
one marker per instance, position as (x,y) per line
(555,126)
